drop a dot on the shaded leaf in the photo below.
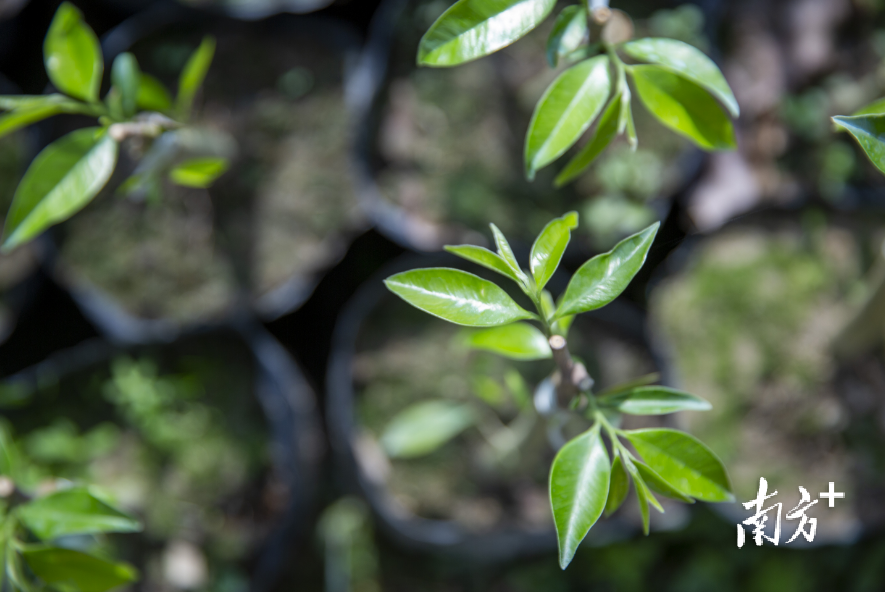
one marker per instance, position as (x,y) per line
(618,488)
(484,257)
(602,279)
(193,74)
(517,341)
(868,130)
(518,387)
(653,400)
(565,111)
(549,247)
(687,61)
(25,116)
(471,29)
(423,427)
(457,296)
(579,483)
(72,54)
(61,180)
(198,172)
(684,107)
(126,78)
(684,462)
(877,107)
(605,131)
(643,496)
(659,484)
(645,380)
(73,511)
(570,30)
(72,569)
(152,94)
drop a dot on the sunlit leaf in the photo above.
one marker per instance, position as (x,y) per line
(517,341)
(457,296)
(684,462)
(686,60)
(126,78)
(193,74)
(61,180)
(72,54)
(877,107)
(198,172)
(24,116)
(605,131)
(618,488)
(653,400)
(569,31)
(684,107)
(471,29)
(549,247)
(659,484)
(565,111)
(603,278)
(73,511)
(484,257)
(423,427)
(579,483)
(67,568)
(869,131)
(506,253)
(152,95)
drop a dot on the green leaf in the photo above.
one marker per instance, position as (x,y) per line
(659,484)
(549,247)
(506,253)
(570,30)
(625,122)
(517,341)
(868,130)
(193,74)
(74,511)
(25,116)
(653,400)
(198,172)
(126,78)
(618,488)
(687,61)
(457,296)
(603,278)
(643,496)
(61,180)
(484,257)
(152,95)
(72,54)
(565,111)
(423,427)
(75,570)
(518,387)
(645,380)
(683,461)
(684,107)
(579,483)
(471,29)
(605,131)
(877,107)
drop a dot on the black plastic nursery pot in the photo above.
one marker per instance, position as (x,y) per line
(440,150)
(212,440)
(387,356)
(146,267)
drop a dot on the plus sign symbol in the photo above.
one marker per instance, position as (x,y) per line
(831,495)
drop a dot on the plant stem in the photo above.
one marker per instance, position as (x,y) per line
(573,378)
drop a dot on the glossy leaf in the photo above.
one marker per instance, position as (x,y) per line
(67,568)
(423,427)
(684,462)
(579,483)
(653,400)
(61,180)
(618,488)
(193,74)
(506,253)
(549,247)
(687,61)
(565,111)
(72,54)
(684,107)
(659,484)
(517,341)
(457,296)
(605,131)
(152,95)
(198,172)
(484,257)
(643,496)
(126,78)
(603,278)
(471,29)
(570,30)
(869,131)
(73,511)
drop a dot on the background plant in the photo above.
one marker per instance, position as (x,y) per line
(584,480)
